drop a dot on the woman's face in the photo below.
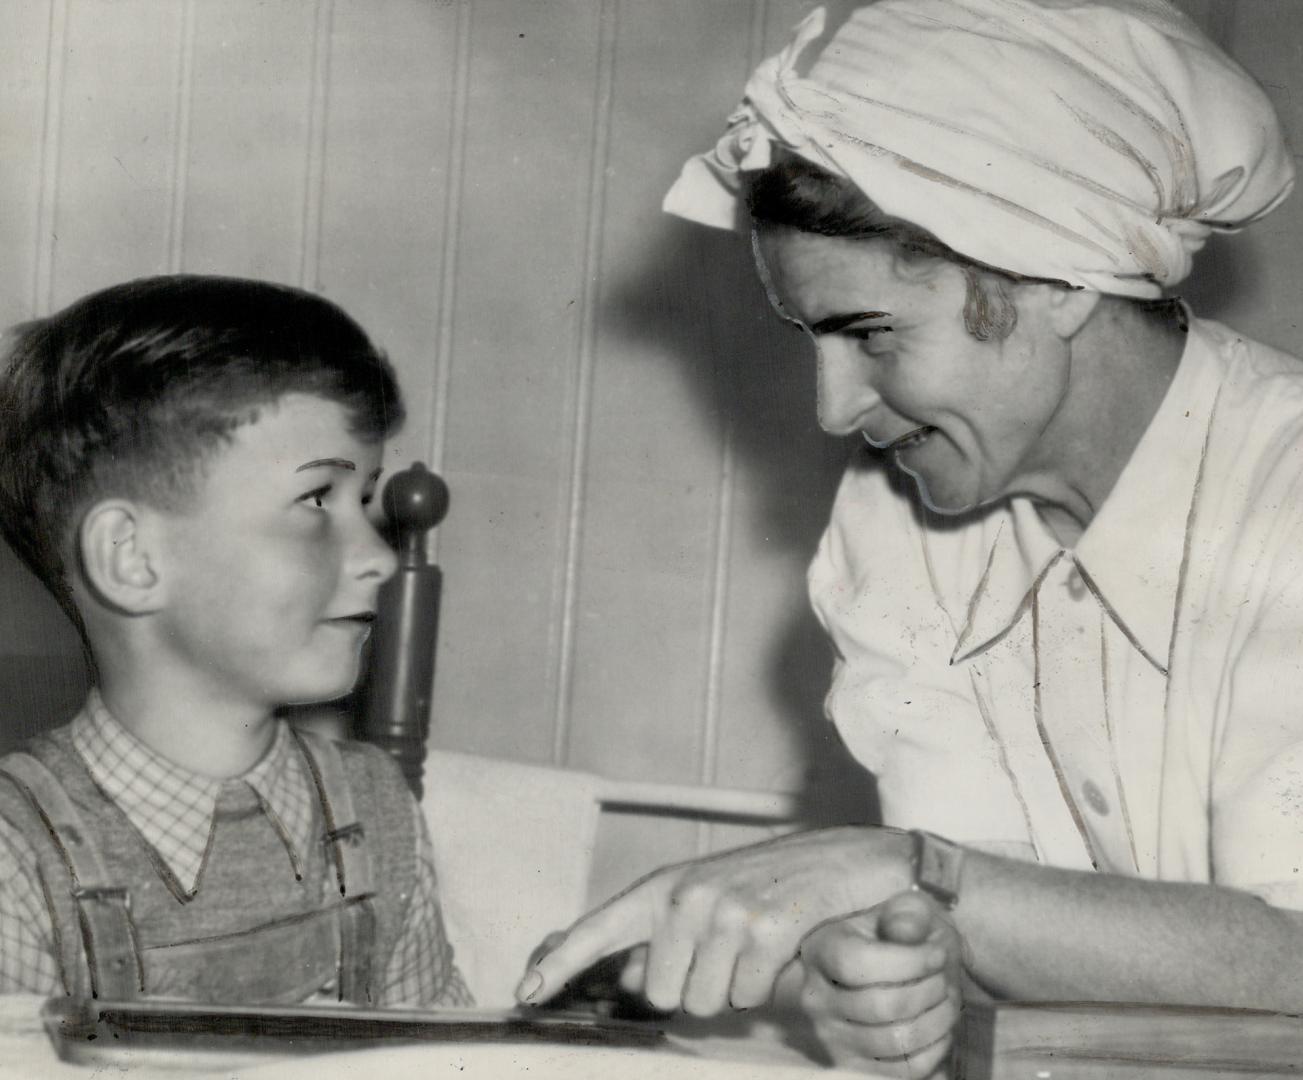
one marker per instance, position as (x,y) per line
(968,419)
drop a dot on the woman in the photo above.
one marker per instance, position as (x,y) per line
(1065,592)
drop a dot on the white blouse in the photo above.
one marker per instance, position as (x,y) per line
(1134,703)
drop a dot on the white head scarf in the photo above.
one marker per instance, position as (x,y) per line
(1097,143)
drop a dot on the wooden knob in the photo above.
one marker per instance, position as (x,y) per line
(415,500)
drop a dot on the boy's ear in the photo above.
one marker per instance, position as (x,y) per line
(117,557)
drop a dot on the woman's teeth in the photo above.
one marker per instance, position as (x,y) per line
(912,438)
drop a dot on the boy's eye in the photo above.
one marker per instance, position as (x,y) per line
(316,497)
(866,333)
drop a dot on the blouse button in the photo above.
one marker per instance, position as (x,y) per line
(1076,586)
(1095,798)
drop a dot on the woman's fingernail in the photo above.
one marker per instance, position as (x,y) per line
(530,985)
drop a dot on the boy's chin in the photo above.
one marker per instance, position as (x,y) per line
(310,701)
(338,684)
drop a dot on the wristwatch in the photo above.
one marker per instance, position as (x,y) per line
(936,866)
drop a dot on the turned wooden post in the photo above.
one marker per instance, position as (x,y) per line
(396,697)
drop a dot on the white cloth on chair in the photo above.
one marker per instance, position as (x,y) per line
(513,845)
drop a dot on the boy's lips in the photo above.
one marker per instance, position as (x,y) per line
(360,619)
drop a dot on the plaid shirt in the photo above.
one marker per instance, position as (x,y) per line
(172,808)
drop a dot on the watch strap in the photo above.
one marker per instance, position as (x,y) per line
(936,867)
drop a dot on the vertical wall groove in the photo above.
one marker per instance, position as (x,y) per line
(179,179)
(581,403)
(722,534)
(46,241)
(314,170)
(722,537)
(452,204)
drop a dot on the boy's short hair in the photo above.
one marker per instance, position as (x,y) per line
(130,390)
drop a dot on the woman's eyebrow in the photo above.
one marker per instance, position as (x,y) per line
(331,462)
(833,323)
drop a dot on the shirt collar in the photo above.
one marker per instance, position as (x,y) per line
(172,808)
(1130,555)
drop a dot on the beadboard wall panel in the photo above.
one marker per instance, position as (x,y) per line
(116,150)
(25,52)
(40,659)
(513,423)
(1251,280)
(639,610)
(387,226)
(627,430)
(247,160)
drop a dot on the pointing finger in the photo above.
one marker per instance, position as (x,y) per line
(619,924)
(545,946)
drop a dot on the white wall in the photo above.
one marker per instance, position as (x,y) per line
(628,435)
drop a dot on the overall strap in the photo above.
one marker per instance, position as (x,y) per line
(103,908)
(345,841)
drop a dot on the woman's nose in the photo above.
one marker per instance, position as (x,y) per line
(846,393)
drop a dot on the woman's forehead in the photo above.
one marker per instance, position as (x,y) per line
(799,254)
(814,272)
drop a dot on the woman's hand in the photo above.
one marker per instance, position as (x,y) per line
(720,930)
(882,987)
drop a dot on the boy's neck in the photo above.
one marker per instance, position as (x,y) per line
(191,725)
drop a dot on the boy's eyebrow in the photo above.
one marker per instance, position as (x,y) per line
(333,462)
(834,323)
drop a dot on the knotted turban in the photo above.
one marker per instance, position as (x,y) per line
(1097,143)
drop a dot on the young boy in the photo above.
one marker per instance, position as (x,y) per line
(186,462)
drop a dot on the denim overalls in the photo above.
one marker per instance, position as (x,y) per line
(254,932)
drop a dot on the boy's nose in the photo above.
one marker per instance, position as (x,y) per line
(373,557)
(846,393)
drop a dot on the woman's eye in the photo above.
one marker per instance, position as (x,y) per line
(316,497)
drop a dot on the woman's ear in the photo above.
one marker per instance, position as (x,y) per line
(117,557)
(1071,309)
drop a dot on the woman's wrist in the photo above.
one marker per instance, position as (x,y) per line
(884,865)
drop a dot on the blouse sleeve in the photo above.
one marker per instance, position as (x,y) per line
(907,714)
(1257,776)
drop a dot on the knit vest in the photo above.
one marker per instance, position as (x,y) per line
(254,931)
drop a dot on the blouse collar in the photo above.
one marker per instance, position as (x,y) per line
(1131,554)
